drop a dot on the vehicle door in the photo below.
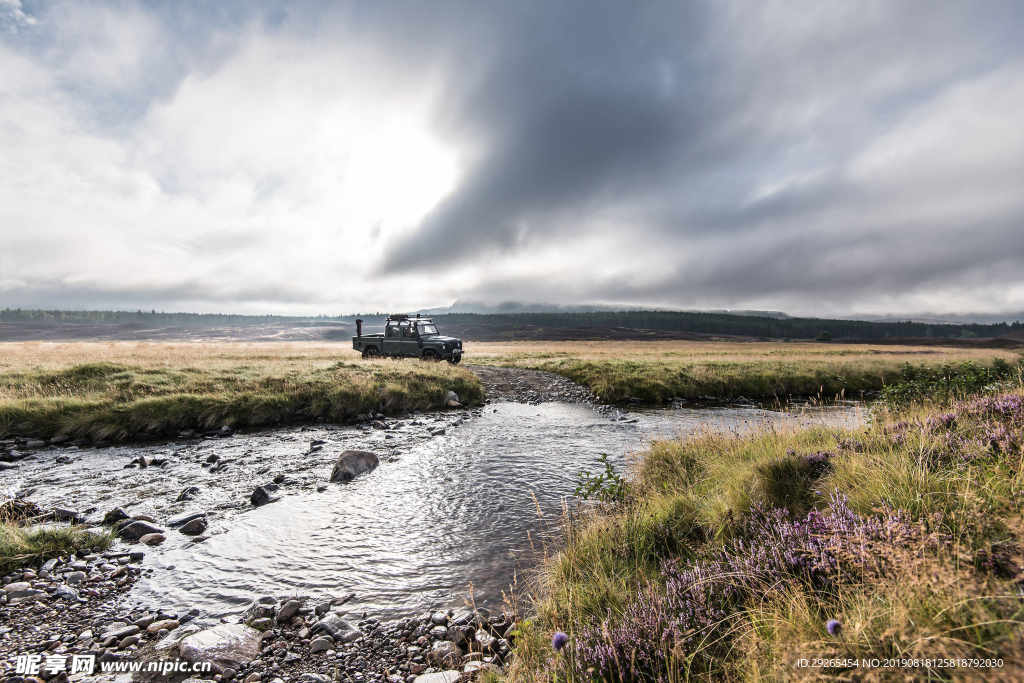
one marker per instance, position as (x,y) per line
(410,341)
(392,340)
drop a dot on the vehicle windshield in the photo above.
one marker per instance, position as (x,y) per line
(427,330)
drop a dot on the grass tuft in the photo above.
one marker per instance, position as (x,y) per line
(26,546)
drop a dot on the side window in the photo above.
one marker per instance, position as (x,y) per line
(392,331)
(407,331)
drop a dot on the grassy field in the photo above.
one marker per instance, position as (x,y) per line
(728,556)
(119,389)
(657,371)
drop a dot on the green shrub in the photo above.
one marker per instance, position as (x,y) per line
(945,383)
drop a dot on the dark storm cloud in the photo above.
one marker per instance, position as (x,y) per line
(572,104)
(685,111)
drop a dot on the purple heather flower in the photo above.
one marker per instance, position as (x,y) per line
(833,627)
(559,640)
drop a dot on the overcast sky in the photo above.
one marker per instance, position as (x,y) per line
(819,158)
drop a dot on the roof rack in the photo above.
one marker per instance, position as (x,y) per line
(403,316)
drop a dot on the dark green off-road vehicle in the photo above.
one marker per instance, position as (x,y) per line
(408,336)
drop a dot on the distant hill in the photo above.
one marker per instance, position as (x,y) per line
(601,323)
(728,324)
(519,307)
(981,319)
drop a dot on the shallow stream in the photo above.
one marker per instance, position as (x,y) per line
(439,515)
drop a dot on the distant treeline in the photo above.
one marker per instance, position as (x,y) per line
(671,321)
(724,323)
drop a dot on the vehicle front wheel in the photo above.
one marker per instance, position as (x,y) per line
(371,352)
(431,356)
(454,360)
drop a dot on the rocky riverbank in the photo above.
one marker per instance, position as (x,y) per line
(74,606)
(530,386)
(66,606)
(70,608)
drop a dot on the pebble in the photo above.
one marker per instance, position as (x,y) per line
(165,624)
(128,642)
(75,577)
(120,630)
(65,593)
(321,645)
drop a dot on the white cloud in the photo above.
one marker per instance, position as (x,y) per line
(12,14)
(276,176)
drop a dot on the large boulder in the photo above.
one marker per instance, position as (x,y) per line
(460,635)
(227,646)
(261,496)
(446,654)
(137,529)
(184,518)
(260,609)
(194,527)
(187,493)
(353,463)
(289,610)
(485,642)
(172,641)
(450,676)
(336,627)
(115,516)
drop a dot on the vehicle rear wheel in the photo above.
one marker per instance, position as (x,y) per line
(454,360)
(430,355)
(371,352)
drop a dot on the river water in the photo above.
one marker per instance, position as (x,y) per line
(441,519)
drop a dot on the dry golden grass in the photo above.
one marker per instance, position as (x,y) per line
(270,356)
(116,389)
(658,370)
(526,352)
